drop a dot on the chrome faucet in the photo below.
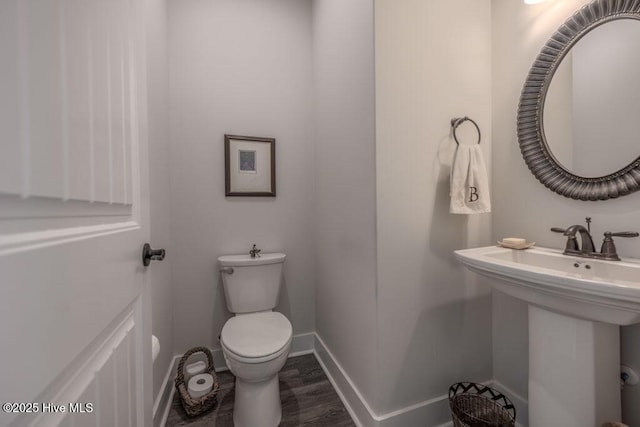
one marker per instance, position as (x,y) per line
(585,238)
(587,248)
(254,252)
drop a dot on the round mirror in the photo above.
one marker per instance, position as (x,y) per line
(592,110)
(579,112)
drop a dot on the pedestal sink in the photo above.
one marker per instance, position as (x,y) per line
(575,308)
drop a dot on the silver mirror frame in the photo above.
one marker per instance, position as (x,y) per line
(531,137)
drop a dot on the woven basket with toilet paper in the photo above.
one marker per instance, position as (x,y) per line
(198,388)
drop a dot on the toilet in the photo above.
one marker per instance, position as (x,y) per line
(256,340)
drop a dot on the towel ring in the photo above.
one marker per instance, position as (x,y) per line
(457,121)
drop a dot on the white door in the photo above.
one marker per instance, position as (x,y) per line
(74,310)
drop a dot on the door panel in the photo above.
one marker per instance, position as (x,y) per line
(99,392)
(10,148)
(74,312)
(68,96)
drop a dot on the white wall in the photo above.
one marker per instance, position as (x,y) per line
(159,184)
(523,206)
(345,231)
(242,68)
(433,63)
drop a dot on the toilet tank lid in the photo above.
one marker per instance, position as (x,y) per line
(246,260)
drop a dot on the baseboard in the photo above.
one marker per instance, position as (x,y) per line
(432,412)
(303,344)
(349,394)
(165,396)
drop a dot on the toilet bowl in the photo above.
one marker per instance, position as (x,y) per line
(256,341)
(255,348)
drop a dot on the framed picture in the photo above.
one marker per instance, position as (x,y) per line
(250,166)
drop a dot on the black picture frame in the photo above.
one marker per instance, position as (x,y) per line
(250,166)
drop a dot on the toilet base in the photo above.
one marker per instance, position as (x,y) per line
(257,404)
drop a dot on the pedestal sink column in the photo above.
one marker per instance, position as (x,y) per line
(574,368)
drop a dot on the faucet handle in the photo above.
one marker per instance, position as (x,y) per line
(572,243)
(622,234)
(608,249)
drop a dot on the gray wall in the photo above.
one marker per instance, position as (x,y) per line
(523,206)
(304,72)
(345,230)
(433,63)
(159,184)
(243,68)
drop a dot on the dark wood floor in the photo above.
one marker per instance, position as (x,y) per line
(308,399)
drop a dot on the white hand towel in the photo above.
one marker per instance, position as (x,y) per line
(469,182)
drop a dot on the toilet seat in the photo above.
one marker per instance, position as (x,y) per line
(254,360)
(256,337)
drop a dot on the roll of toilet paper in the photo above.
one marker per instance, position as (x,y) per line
(199,385)
(193,369)
(155,347)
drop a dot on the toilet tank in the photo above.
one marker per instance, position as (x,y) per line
(254,285)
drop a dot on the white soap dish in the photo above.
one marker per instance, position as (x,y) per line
(519,246)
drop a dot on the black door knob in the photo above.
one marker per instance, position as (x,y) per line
(149,254)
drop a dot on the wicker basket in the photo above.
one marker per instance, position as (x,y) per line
(202,404)
(476,405)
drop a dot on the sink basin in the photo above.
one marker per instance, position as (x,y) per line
(575,307)
(590,289)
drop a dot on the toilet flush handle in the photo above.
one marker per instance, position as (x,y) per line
(227,270)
